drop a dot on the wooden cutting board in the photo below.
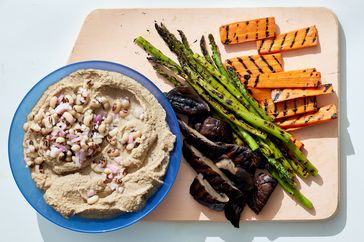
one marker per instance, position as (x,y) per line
(108,34)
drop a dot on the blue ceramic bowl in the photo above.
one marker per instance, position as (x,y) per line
(22,174)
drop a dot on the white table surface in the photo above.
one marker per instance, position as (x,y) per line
(36,37)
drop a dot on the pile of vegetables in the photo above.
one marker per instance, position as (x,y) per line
(229,134)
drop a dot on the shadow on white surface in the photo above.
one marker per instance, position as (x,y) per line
(207,231)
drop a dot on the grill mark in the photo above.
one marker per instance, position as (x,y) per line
(256,80)
(275,112)
(271,45)
(261,45)
(285,108)
(266,105)
(295,106)
(229,62)
(253,61)
(277,95)
(304,104)
(227,28)
(246,78)
(308,119)
(266,27)
(294,39)
(245,67)
(283,40)
(269,66)
(275,58)
(304,38)
(315,102)
(314,38)
(326,87)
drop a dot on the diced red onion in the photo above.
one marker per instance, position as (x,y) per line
(113,168)
(91,193)
(62,148)
(60,98)
(131,139)
(118,159)
(75,140)
(98,119)
(54,133)
(81,155)
(62,107)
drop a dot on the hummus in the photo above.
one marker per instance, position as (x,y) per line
(97,144)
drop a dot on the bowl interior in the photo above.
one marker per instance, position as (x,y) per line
(22,174)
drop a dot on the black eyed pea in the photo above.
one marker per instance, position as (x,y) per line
(92,200)
(26,126)
(69,99)
(137,134)
(69,117)
(53,102)
(60,140)
(87,119)
(113,132)
(102,128)
(125,103)
(95,104)
(75,147)
(116,107)
(130,146)
(35,127)
(38,117)
(108,119)
(45,131)
(78,108)
(125,138)
(123,113)
(38,160)
(114,152)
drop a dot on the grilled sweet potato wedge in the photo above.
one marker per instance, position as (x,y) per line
(255,64)
(287,79)
(289,108)
(280,95)
(324,114)
(297,39)
(245,31)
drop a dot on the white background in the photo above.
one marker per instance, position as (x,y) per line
(36,37)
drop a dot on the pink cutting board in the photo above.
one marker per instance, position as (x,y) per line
(108,34)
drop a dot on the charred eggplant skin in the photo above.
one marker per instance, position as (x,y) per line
(208,147)
(264,185)
(198,163)
(216,130)
(234,208)
(185,101)
(201,195)
(243,157)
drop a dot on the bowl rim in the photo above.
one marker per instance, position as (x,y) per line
(169,111)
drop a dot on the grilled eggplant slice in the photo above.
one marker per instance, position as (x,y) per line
(201,164)
(212,150)
(216,130)
(234,208)
(243,179)
(264,185)
(243,157)
(218,180)
(204,193)
(185,100)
